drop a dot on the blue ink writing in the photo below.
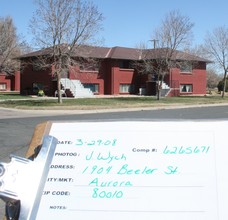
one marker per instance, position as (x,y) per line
(97,142)
(112,183)
(186,150)
(97,170)
(171,170)
(125,170)
(108,157)
(107,195)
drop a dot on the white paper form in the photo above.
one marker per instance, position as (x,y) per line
(135,170)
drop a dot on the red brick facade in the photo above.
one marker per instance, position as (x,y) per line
(10,82)
(31,79)
(197,78)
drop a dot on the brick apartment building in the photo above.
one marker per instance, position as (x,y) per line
(114,74)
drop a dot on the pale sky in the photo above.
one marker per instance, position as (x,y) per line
(129,22)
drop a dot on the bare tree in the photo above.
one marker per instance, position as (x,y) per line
(213,75)
(63,26)
(198,50)
(174,33)
(216,46)
(213,78)
(9,46)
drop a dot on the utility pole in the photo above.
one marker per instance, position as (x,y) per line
(154,42)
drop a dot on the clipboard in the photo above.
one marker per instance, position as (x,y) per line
(23,179)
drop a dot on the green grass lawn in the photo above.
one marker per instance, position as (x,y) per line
(7,96)
(26,102)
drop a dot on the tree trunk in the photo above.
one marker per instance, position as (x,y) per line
(224,85)
(59,88)
(159,85)
(158,90)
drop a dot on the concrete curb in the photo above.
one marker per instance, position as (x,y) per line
(15,113)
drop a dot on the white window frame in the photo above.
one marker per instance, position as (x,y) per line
(186,88)
(126,88)
(94,87)
(3,86)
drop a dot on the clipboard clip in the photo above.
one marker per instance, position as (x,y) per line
(22,181)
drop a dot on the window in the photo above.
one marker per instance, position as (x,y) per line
(125,64)
(93,87)
(126,88)
(2,86)
(186,88)
(186,67)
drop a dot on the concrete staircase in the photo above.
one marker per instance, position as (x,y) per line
(75,88)
(165,89)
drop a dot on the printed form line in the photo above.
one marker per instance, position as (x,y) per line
(139,211)
(86,186)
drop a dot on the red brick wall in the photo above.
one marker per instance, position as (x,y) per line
(5,80)
(93,77)
(121,76)
(29,76)
(12,81)
(16,82)
(197,78)
(109,77)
